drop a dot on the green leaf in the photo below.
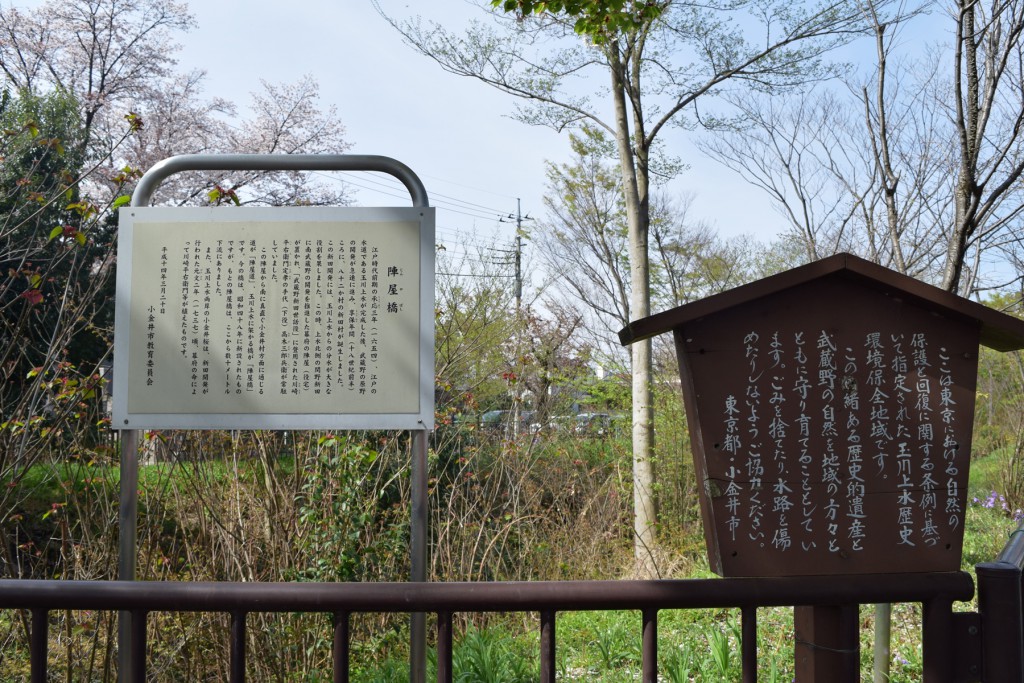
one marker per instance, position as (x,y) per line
(121,201)
(54,144)
(134,121)
(80,237)
(83,208)
(56,232)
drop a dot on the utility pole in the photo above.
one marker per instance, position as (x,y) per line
(518,290)
(519,253)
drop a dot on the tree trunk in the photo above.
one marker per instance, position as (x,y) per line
(644,512)
(966,85)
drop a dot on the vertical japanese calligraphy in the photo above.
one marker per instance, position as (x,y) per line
(899,392)
(280,317)
(845,419)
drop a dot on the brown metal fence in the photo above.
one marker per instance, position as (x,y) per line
(946,637)
(1001,613)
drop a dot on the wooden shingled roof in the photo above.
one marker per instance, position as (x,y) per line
(999,331)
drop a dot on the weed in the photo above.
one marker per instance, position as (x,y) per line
(680,663)
(614,646)
(721,651)
(388,671)
(489,657)
(774,676)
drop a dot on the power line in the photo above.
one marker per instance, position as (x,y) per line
(470,187)
(444,204)
(457,237)
(396,192)
(519,217)
(391,187)
(480,275)
(394,189)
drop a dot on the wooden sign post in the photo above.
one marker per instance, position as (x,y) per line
(830,411)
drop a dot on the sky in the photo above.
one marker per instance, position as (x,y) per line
(455,133)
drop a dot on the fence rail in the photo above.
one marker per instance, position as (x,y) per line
(935,591)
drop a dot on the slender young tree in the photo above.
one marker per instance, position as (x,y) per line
(582,243)
(56,269)
(586,230)
(658,60)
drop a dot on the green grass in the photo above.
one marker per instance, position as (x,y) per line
(984,477)
(987,527)
(699,645)
(42,485)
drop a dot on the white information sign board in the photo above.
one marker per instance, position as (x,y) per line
(274,318)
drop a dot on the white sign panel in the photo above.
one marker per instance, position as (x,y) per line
(274,318)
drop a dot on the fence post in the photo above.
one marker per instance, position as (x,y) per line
(649,658)
(340,647)
(748,646)
(237,664)
(937,639)
(827,644)
(1000,606)
(38,643)
(444,647)
(547,647)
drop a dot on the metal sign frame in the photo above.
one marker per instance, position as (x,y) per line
(405,364)
(128,510)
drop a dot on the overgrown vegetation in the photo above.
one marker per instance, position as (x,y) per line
(533,494)
(264,506)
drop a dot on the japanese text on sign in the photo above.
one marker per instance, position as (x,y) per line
(277,318)
(881,417)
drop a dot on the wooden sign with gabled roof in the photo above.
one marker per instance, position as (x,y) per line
(830,410)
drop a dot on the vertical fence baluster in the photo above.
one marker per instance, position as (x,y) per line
(37,646)
(826,643)
(138,645)
(748,619)
(340,648)
(237,672)
(1000,602)
(547,646)
(937,640)
(649,655)
(444,647)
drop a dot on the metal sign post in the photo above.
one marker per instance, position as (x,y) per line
(172,372)
(418,552)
